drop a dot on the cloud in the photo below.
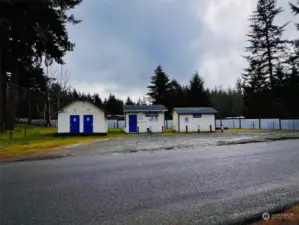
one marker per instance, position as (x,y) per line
(119,43)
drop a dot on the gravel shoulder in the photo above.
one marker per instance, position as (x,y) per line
(156,142)
(161,142)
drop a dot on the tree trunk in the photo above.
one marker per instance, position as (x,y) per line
(29,106)
(47,109)
(13,99)
(38,111)
(2,85)
(58,100)
(269,55)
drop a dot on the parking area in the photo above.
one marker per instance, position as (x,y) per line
(156,142)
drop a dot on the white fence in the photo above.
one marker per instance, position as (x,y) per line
(116,124)
(37,122)
(273,124)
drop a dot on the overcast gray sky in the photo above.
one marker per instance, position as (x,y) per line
(120,42)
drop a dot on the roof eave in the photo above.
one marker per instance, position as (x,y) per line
(125,111)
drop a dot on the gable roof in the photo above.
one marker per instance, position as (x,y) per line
(192,110)
(144,108)
(66,105)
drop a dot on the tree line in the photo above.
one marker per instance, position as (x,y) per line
(33,35)
(161,90)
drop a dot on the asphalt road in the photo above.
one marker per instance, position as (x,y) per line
(207,185)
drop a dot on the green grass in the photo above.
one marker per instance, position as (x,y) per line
(41,139)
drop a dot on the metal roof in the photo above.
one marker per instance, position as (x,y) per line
(144,108)
(66,105)
(192,110)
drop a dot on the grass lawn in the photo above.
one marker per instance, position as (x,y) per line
(41,139)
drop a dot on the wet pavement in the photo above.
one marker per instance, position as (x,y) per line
(195,185)
(157,142)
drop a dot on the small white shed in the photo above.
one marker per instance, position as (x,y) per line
(82,117)
(144,118)
(194,119)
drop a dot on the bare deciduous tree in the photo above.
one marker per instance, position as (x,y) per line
(58,82)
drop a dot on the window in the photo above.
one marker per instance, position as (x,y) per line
(186,119)
(196,115)
(151,114)
(140,117)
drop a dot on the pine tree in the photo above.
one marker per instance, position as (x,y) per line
(295,10)
(291,93)
(239,85)
(265,54)
(113,105)
(139,101)
(129,101)
(177,96)
(265,38)
(294,56)
(97,100)
(159,88)
(197,95)
(75,95)
(31,32)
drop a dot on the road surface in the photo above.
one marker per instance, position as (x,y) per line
(207,185)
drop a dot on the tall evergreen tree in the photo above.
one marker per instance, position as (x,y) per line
(129,101)
(265,39)
(159,88)
(97,100)
(291,93)
(295,10)
(197,94)
(177,95)
(113,105)
(265,54)
(31,31)
(292,81)
(139,101)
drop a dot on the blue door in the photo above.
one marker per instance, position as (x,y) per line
(132,123)
(75,124)
(88,123)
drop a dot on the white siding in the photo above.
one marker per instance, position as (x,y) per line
(204,122)
(175,122)
(82,108)
(144,122)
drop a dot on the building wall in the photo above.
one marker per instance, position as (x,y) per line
(81,109)
(204,122)
(175,122)
(144,122)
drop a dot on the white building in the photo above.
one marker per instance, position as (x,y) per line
(144,118)
(82,117)
(194,119)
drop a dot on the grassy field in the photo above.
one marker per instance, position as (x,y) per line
(41,139)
